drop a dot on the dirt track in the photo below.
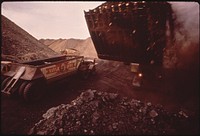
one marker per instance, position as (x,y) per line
(18,117)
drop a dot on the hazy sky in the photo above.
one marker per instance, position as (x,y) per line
(51,20)
(65,19)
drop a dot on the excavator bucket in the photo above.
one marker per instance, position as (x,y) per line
(130,31)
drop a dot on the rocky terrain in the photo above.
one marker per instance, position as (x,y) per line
(176,102)
(95,112)
(19,46)
(84,47)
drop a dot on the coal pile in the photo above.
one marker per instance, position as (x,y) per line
(19,46)
(95,112)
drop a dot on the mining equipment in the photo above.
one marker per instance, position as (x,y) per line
(29,79)
(132,32)
(136,33)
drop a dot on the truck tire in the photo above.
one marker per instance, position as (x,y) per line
(4,83)
(21,89)
(33,91)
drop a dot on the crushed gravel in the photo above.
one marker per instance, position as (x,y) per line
(95,112)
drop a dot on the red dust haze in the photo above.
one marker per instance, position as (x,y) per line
(186,19)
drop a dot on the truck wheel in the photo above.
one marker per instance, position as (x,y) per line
(4,83)
(34,91)
(21,88)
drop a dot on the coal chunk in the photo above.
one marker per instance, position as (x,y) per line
(95,112)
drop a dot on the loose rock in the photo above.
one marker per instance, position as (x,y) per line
(107,113)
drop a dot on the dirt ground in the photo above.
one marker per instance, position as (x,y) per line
(18,117)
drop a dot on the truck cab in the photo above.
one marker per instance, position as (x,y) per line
(87,67)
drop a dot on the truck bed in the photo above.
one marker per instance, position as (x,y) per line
(51,69)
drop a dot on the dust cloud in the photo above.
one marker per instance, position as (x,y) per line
(186,21)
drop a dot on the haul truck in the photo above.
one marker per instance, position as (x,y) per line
(29,79)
